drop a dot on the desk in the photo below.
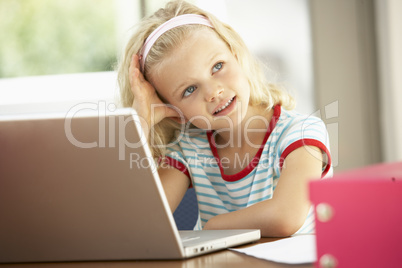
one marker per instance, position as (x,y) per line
(224,258)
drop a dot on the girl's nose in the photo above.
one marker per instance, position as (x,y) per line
(214,93)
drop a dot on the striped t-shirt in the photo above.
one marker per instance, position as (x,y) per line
(195,154)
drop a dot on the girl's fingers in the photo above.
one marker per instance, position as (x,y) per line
(164,111)
(146,94)
(133,67)
(136,78)
(135,64)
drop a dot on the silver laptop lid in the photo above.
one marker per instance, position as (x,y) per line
(81,187)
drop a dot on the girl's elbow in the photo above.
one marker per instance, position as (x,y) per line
(282,228)
(288,229)
(282,231)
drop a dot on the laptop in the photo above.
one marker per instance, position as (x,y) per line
(82,186)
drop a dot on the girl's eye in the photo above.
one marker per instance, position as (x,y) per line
(217,67)
(188,91)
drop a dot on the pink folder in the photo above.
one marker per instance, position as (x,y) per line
(359,217)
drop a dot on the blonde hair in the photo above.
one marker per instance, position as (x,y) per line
(262,93)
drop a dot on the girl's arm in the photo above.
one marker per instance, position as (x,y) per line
(286,212)
(175,184)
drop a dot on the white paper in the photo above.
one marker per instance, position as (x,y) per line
(293,250)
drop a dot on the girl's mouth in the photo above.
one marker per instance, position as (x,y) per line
(226,108)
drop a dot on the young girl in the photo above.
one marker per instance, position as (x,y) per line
(216,125)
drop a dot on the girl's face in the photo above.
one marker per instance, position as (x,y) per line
(204,80)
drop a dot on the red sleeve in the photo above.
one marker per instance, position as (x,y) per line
(307,142)
(178,165)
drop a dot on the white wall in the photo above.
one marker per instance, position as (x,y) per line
(389,40)
(345,72)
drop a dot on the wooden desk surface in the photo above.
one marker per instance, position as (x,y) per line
(224,258)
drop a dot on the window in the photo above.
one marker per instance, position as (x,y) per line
(54,37)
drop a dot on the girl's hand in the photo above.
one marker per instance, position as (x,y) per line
(146,99)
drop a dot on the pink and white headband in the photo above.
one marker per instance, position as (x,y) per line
(168,25)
